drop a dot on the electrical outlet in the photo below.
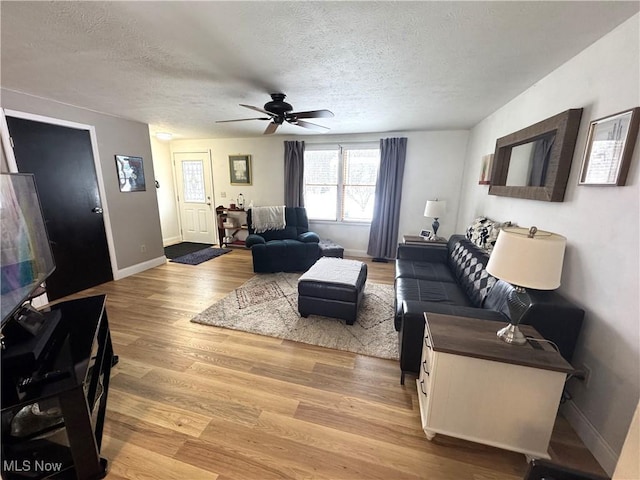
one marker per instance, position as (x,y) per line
(223,194)
(143,248)
(587,374)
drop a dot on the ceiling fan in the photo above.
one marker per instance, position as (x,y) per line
(278,111)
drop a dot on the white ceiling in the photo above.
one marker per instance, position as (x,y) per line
(379,66)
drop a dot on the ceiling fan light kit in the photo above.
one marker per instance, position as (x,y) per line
(278,111)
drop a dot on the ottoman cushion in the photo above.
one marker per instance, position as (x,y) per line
(329,248)
(332,287)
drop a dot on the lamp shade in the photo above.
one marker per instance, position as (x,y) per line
(528,258)
(435,208)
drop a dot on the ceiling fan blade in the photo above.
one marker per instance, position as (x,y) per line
(242,120)
(257,109)
(271,128)
(311,126)
(312,114)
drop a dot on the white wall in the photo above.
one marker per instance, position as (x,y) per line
(134,216)
(433,169)
(163,167)
(601,225)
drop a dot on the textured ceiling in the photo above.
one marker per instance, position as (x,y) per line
(379,66)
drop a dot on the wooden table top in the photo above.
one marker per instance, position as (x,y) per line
(477,338)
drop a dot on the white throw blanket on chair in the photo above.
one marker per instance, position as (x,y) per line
(267,218)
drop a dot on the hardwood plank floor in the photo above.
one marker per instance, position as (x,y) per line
(189,401)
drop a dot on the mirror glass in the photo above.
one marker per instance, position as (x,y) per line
(528,163)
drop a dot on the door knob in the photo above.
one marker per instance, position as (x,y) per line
(96,210)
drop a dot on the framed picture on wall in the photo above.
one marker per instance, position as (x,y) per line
(130,173)
(485,170)
(240,169)
(609,148)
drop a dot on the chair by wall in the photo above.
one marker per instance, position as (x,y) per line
(292,249)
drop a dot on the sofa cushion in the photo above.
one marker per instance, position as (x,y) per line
(424,270)
(469,263)
(308,237)
(483,232)
(429,291)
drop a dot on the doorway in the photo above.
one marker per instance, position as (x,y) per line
(62,157)
(194,187)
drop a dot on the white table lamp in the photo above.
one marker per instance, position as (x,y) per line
(435,209)
(526,258)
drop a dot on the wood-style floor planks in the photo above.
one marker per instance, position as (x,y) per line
(189,401)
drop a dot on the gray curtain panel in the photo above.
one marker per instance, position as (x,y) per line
(383,236)
(294,174)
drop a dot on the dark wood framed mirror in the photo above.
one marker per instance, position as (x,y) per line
(535,162)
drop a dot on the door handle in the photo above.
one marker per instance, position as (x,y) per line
(97,210)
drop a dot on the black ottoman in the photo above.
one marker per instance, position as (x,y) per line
(329,248)
(332,287)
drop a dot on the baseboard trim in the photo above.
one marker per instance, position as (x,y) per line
(140,267)
(171,241)
(592,439)
(356,253)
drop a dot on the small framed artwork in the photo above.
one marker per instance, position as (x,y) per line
(130,173)
(426,234)
(609,148)
(240,169)
(485,172)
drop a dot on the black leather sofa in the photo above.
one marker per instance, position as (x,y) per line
(292,249)
(451,279)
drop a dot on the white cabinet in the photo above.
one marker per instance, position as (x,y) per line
(475,387)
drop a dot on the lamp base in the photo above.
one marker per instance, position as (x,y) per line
(512,334)
(435,225)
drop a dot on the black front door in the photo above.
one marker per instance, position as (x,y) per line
(61,159)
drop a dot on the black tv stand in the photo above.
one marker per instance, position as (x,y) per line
(53,413)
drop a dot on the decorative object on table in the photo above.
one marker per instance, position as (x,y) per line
(130,173)
(240,201)
(551,143)
(435,209)
(240,169)
(485,171)
(426,234)
(526,259)
(267,304)
(609,148)
(201,256)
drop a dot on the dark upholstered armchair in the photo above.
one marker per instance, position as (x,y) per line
(293,249)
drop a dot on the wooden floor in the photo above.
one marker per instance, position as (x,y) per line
(189,401)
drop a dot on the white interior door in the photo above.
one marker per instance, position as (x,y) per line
(195,196)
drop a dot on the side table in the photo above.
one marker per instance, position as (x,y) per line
(475,387)
(418,240)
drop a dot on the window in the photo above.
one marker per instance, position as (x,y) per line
(340,181)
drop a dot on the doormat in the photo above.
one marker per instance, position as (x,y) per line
(184,248)
(267,304)
(200,256)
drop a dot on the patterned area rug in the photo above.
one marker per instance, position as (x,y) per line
(267,304)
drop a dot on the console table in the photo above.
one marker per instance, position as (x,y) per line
(54,427)
(238,217)
(476,387)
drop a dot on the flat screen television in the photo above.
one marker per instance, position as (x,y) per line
(26,259)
